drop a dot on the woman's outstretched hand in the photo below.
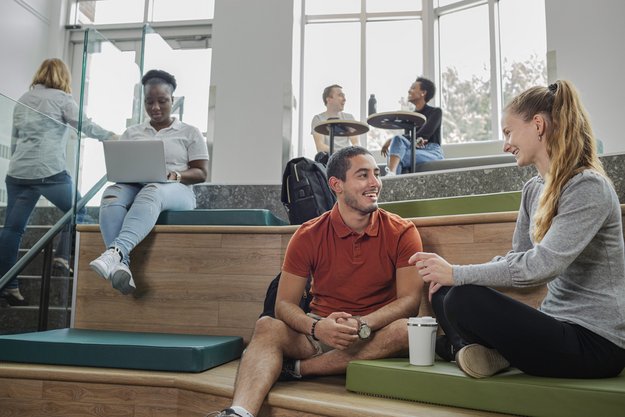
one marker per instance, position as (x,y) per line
(433,269)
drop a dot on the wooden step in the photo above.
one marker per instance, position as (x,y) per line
(33,390)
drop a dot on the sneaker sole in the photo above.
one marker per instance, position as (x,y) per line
(99,268)
(478,361)
(121,282)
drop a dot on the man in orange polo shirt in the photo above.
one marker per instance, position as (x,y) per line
(363,289)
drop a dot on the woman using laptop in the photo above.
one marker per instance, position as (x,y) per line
(41,130)
(128,211)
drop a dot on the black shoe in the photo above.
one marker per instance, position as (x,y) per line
(444,349)
(288,371)
(13,300)
(61,268)
(226,412)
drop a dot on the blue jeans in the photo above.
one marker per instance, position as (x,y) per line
(23,195)
(128,212)
(400,146)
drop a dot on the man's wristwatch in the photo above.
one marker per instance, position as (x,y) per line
(364,331)
(178,176)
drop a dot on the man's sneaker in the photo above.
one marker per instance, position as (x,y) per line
(479,361)
(288,372)
(228,412)
(121,279)
(106,263)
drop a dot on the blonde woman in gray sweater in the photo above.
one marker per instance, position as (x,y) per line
(568,235)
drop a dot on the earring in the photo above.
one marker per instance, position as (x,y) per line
(540,138)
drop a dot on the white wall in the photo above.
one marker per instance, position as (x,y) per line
(587,38)
(26,27)
(252,90)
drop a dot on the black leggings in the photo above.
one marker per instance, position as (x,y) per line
(530,340)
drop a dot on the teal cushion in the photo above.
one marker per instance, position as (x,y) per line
(229,217)
(467,204)
(510,392)
(111,349)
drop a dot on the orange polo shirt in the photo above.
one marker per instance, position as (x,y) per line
(352,272)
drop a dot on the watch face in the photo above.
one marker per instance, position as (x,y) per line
(364,332)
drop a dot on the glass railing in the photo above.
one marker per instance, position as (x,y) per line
(110,93)
(46,186)
(37,154)
(34,146)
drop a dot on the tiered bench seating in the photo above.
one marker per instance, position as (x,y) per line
(211,280)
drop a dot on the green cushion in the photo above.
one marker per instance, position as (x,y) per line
(230,217)
(111,349)
(510,392)
(468,204)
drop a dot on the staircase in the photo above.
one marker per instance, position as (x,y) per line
(26,319)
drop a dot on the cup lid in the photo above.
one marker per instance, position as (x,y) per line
(422,321)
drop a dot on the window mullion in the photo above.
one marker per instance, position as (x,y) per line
(363,64)
(495,67)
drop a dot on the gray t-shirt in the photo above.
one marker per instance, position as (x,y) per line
(41,129)
(581,257)
(340,142)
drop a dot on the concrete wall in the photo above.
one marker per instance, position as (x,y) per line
(251,90)
(585,45)
(30,31)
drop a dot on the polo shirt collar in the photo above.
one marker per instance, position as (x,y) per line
(176,125)
(342,230)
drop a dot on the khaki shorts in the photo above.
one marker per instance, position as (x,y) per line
(318,345)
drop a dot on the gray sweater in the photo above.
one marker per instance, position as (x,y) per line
(581,257)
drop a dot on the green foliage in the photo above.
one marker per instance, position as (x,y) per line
(466,102)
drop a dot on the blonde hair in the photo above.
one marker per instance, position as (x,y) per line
(53,73)
(570,142)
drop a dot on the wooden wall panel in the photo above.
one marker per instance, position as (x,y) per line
(442,235)
(495,232)
(110,394)
(21,389)
(209,282)
(470,253)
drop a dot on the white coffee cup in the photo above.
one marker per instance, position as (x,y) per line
(422,340)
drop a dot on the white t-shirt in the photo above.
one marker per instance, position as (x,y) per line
(183,142)
(340,142)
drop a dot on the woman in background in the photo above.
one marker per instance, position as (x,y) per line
(128,212)
(568,234)
(38,163)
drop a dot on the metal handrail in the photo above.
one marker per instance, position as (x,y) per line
(44,243)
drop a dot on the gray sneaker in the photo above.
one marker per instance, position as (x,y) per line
(479,361)
(121,279)
(106,263)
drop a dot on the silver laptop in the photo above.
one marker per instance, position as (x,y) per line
(135,161)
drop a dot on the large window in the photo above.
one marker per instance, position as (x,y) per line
(480,53)
(103,12)
(367,47)
(136,36)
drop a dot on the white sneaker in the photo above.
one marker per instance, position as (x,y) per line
(389,173)
(106,263)
(121,279)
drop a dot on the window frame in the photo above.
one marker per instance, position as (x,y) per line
(429,15)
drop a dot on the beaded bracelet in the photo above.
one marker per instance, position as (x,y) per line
(312,330)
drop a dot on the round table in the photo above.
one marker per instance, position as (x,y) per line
(409,121)
(340,127)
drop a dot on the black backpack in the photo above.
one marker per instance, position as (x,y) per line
(272,291)
(305,190)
